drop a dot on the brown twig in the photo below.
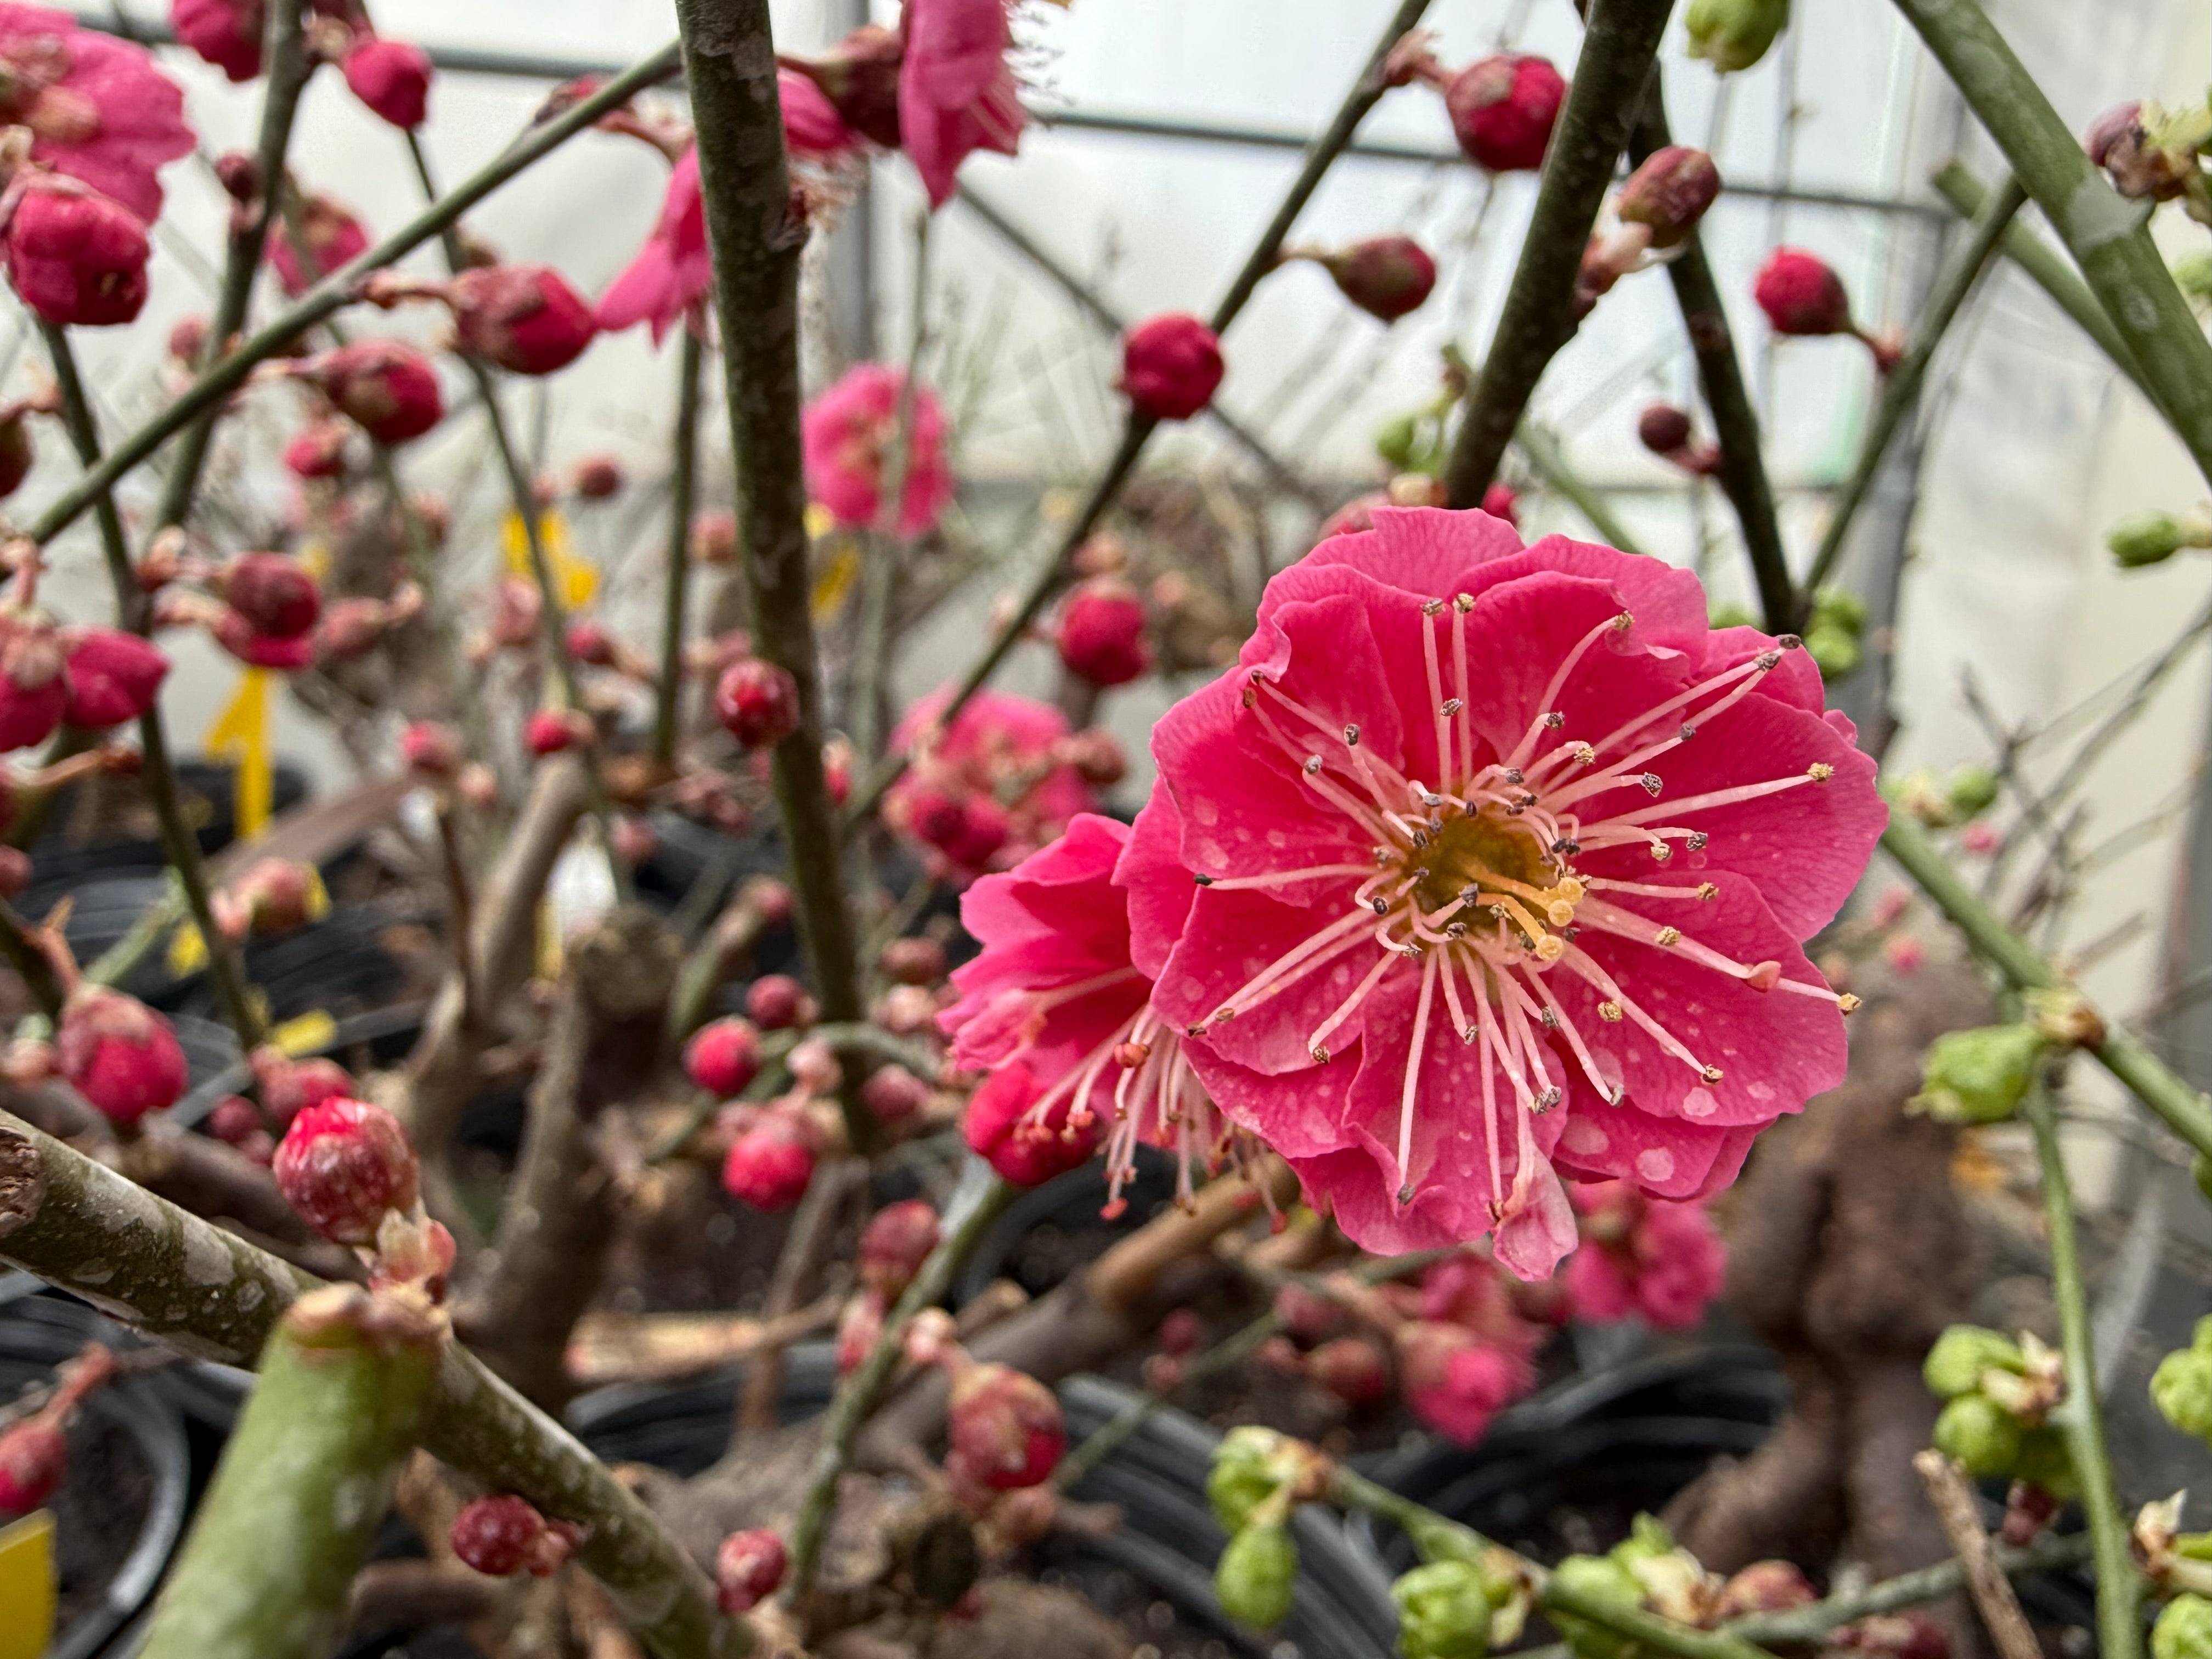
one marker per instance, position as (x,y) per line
(805,1248)
(1959,1511)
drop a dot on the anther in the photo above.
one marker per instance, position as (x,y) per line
(1420,839)
(1620,1093)
(1583,754)
(1848,1004)
(1203,881)
(1193,1031)
(1687,731)
(1380,906)
(1452,705)
(1819,771)
(1454,930)
(1697,841)
(1566,846)
(1412,952)
(1651,784)
(1222,1015)
(1707,891)
(1471,1031)
(1350,737)
(1462,603)
(1431,799)
(1660,852)
(1623,622)
(1788,641)
(1549,1019)
(1130,1055)
(1318,1055)
(1609,1012)
(1550,1097)
(1572,934)
(1668,936)
(1418,874)
(1554,720)
(1313,764)
(1470,894)
(1405,1194)
(1711,1073)
(1770,658)
(1251,698)
(1432,607)
(1436,825)
(1514,774)
(1381,854)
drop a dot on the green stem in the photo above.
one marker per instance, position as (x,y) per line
(858,1394)
(2184,1109)
(2048,269)
(1618,46)
(157,770)
(114,964)
(1137,429)
(81,1226)
(2109,237)
(2120,1586)
(1548,459)
(668,693)
(1900,387)
(303,1483)
(1742,473)
(219,379)
(1809,1623)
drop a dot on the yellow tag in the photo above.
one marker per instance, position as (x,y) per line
(573,574)
(27,1586)
(310,1034)
(835,582)
(315,559)
(318,896)
(820,521)
(240,735)
(188,951)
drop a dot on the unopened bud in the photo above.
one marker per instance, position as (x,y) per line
(2152,537)
(895,1244)
(1980,1076)
(1170,366)
(33,1458)
(723,1056)
(912,961)
(1669,193)
(1004,1427)
(778,1002)
(770,1164)
(1734,34)
(1763,1587)
(758,703)
(342,1164)
(1954,1365)
(1386,277)
(748,1568)
(1352,1369)
(1256,1574)
(2183,1630)
(2181,1388)
(1979,1435)
(892,1094)
(1443,1612)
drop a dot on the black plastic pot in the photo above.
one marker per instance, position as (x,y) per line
(121,1511)
(205,790)
(1051,1231)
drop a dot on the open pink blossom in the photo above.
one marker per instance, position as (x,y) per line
(97,107)
(848,432)
(956,93)
(988,790)
(666,283)
(1644,1256)
(1057,1001)
(1503,857)
(813,131)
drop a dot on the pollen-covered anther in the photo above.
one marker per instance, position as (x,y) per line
(1623,622)
(1609,1012)
(1583,754)
(1848,1004)
(1130,1055)
(1318,1055)
(1462,603)
(1469,1032)
(1193,1031)
(1668,936)
(1697,841)
(1451,706)
(1711,1073)
(1708,892)
(1549,1019)
(1651,784)
(1554,720)
(1350,737)
(1819,771)
(1550,948)
(1660,852)
(1550,1097)
(1313,765)
(1432,607)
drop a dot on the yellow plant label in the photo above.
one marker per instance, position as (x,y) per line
(27,1586)
(240,735)
(574,576)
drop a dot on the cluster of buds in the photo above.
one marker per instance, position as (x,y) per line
(2151,154)
(1171,366)
(1386,277)
(34,1450)
(1947,803)
(1503,107)
(893,1247)
(1004,1431)
(1666,430)
(1998,1395)
(274,895)
(1257,1480)
(2154,538)
(1802,295)
(347,1168)
(523,318)
(1835,633)
(505,1535)
(1653,215)
(1648,1572)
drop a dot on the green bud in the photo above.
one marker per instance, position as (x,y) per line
(1980,1075)
(1973,791)
(2200,1337)
(2192,274)
(1601,1579)
(1726,615)
(1253,1579)
(2183,1630)
(1954,1365)
(1248,1465)
(1978,1434)
(1399,441)
(2181,1388)
(2151,537)
(1648,1540)
(1839,607)
(1834,652)
(1734,34)
(2044,1462)
(1443,1612)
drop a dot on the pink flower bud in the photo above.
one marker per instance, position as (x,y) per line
(1004,1427)
(598,477)
(1501,501)
(319,451)
(1386,277)
(777,1002)
(1453,1382)
(290,1086)
(330,236)
(33,1458)
(1170,366)
(723,1056)
(1669,193)
(1503,109)
(1662,428)
(908,1011)
(895,1244)
(814,1067)
(1801,294)
(770,1163)
(550,731)
(110,676)
(389,390)
(747,1567)
(813,128)
(499,1536)
(1025,1147)
(73,255)
(33,694)
(238,172)
(525,319)
(1352,1369)
(892,1094)
(120,1055)
(225,33)
(714,537)
(16,453)
(912,961)
(587,641)
(860,77)
(431,748)
(1101,633)
(238,636)
(392,77)
(234,1120)
(342,1164)
(758,703)
(273,593)
(516,606)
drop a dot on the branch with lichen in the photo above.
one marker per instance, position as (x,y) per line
(81,1226)
(1619,46)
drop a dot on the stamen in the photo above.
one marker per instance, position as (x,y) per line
(1312,872)
(1297,963)
(1643,815)
(1413,1082)
(1436,690)
(1316,1044)
(1553,719)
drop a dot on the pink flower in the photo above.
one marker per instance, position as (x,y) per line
(1058,1010)
(392,78)
(331,237)
(1503,856)
(73,255)
(1644,1256)
(813,128)
(1454,1382)
(847,432)
(956,93)
(226,32)
(111,677)
(666,283)
(989,790)
(97,107)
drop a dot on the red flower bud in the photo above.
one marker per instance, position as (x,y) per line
(550,731)
(120,1055)
(723,1056)
(110,676)
(1386,277)
(770,1163)
(392,77)
(506,1535)
(895,1244)
(238,172)
(319,451)
(1004,1427)
(342,1164)
(777,1002)
(758,703)
(1501,501)
(431,748)
(599,478)
(73,255)
(235,635)
(33,694)
(387,388)
(1501,110)
(325,237)
(273,593)
(858,1329)
(1170,366)
(1662,428)
(1669,193)
(1352,1369)
(226,32)
(33,1458)
(1101,633)
(714,537)
(525,319)
(233,1119)
(351,628)
(290,1086)
(747,1570)
(1027,1150)
(892,1094)
(587,641)
(912,961)
(1801,294)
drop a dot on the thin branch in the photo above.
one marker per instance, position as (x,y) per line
(1900,387)
(2120,1586)
(30,963)
(1742,474)
(1366,92)
(668,691)
(729,61)
(2109,237)
(1957,1507)
(1618,46)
